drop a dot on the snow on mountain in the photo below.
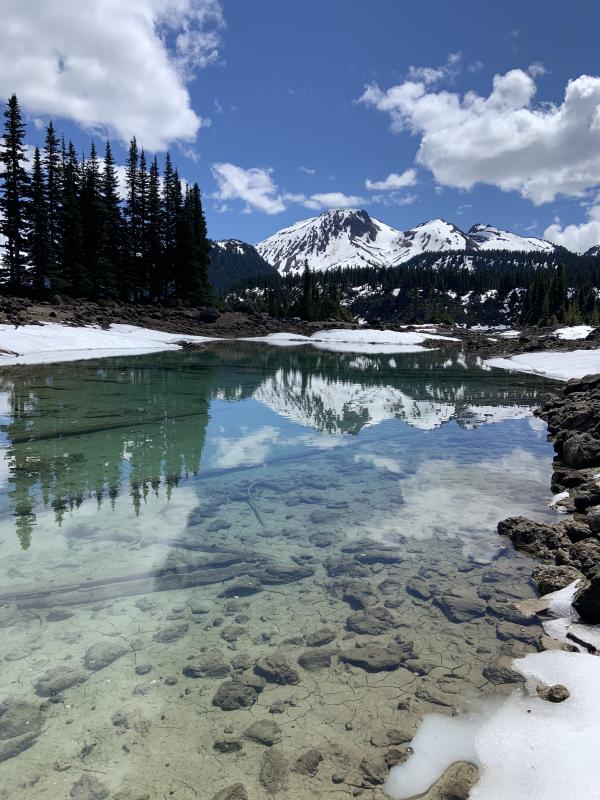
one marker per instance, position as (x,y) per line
(338,238)
(593,251)
(490,238)
(347,237)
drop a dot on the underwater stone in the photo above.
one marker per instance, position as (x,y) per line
(233,632)
(308,763)
(235,792)
(57,679)
(460,609)
(264,731)
(227,746)
(373,621)
(275,669)
(314,659)
(171,633)
(210,665)
(88,787)
(101,654)
(273,771)
(374,657)
(246,585)
(320,637)
(233,695)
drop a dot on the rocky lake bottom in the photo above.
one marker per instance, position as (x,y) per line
(255,566)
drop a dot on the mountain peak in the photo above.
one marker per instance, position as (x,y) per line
(350,237)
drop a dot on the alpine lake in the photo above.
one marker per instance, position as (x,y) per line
(255,565)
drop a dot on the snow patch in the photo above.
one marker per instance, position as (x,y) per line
(561,366)
(574,332)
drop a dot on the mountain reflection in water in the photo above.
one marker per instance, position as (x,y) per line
(97,428)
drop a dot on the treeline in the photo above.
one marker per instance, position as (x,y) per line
(67,230)
(489,287)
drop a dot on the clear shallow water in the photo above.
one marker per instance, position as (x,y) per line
(202,511)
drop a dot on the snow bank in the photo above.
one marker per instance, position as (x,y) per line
(573,332)
(526,748)
(562,366)
(364,340)
(52,342)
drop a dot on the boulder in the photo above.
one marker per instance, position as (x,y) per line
(171,633)
(320,637)
(460,608)
(242,587)
(208,665)
(57,679)
(585,555)
(581,450)
(553,694)
(534,537)
(593,519)
(419,588)
(374,657)
(587,598)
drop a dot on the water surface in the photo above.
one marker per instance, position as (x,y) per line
(170,521)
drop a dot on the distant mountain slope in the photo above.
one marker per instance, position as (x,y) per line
(344,237)
(233,262)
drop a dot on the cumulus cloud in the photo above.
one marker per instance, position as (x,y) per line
(393,181)
(255,186)
(110,65)
(578,238)
(504,139)
(331,200)
(394,199)
(448,71)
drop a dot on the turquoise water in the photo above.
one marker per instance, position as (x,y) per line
(168,522)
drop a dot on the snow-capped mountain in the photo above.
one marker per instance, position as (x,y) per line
(233,261)
(490,238)
(593,251)
(347,237)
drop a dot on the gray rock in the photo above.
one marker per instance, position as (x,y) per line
(274,668)
(378,555)
(233,695)
(320,637)
(460,609)
(549,578)
(88,787)
(372,621)
(227,746)
(374,657)
(593,519)
(581,450)
(209,665)
(587,598)
(314,659)
(241,587)
(143,669)
(235,792)
(585,555)
(419,588)
(58,615)
(308,763)
(534,537)
(18,718)
(233,632)
(171,633)
(103,653)
(553,694)
(57,679)
(374,770)
(264,731)
(500,671)
(273,771)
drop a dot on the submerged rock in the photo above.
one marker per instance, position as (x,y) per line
(265,732)
(57,679)
(418,588)
(314,659)
(374,770)
(171,633)
(549,578)
(372,621)
(273,771)
(88,787)
(308,763)
(227,746)
(235,792)
(103,653)
(20,725)
(460,609)
(374,657)
(233,695)
(320,637)
(274,668)
(209,665)
(242,587)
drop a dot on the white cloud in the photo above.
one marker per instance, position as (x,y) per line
(504,139)
(393,181)
(536,69)
(578,238)
(330,200)
(394,199)
(447,71)
(111,65)
(254,186)
(308,170)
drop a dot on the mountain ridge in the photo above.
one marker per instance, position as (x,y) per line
(349,237)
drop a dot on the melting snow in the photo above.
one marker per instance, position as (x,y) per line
(561,366)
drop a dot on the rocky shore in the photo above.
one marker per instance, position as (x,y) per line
(571,547)
(211,321)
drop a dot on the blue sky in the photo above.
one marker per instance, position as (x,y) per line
(260,102)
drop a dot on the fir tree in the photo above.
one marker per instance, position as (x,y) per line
(142,277)
(13,201)
(52,168)
(92,222)
(154,251)
(110,257)
(131,218)
(71,278)
(38,239)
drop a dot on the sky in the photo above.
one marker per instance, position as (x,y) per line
(469,111)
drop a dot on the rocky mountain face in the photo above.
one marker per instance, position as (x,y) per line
(342,238)
(233,262)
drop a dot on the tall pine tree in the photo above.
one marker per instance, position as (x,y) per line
(38,250)
(13,199)
(53,168)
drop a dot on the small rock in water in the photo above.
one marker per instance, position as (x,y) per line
(460,609)
(227,746)
(57,679)
(88,787)
(273,771)
(210,665)
(241,587)
(233,632)
(58,615)
(374,770)
(265,732)
(314,659)
(372,621)
(101,654)
(143,669)
(308,763)
(171,633)
(235,792)
(232,695)
(320,637)
(275,669)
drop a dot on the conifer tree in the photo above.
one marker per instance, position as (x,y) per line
(154,253)
(13,199)
(141,277)
(92,222)
(110,257)
(170,206)
(71,277)
(131,218)
(38,238)
(52,168)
